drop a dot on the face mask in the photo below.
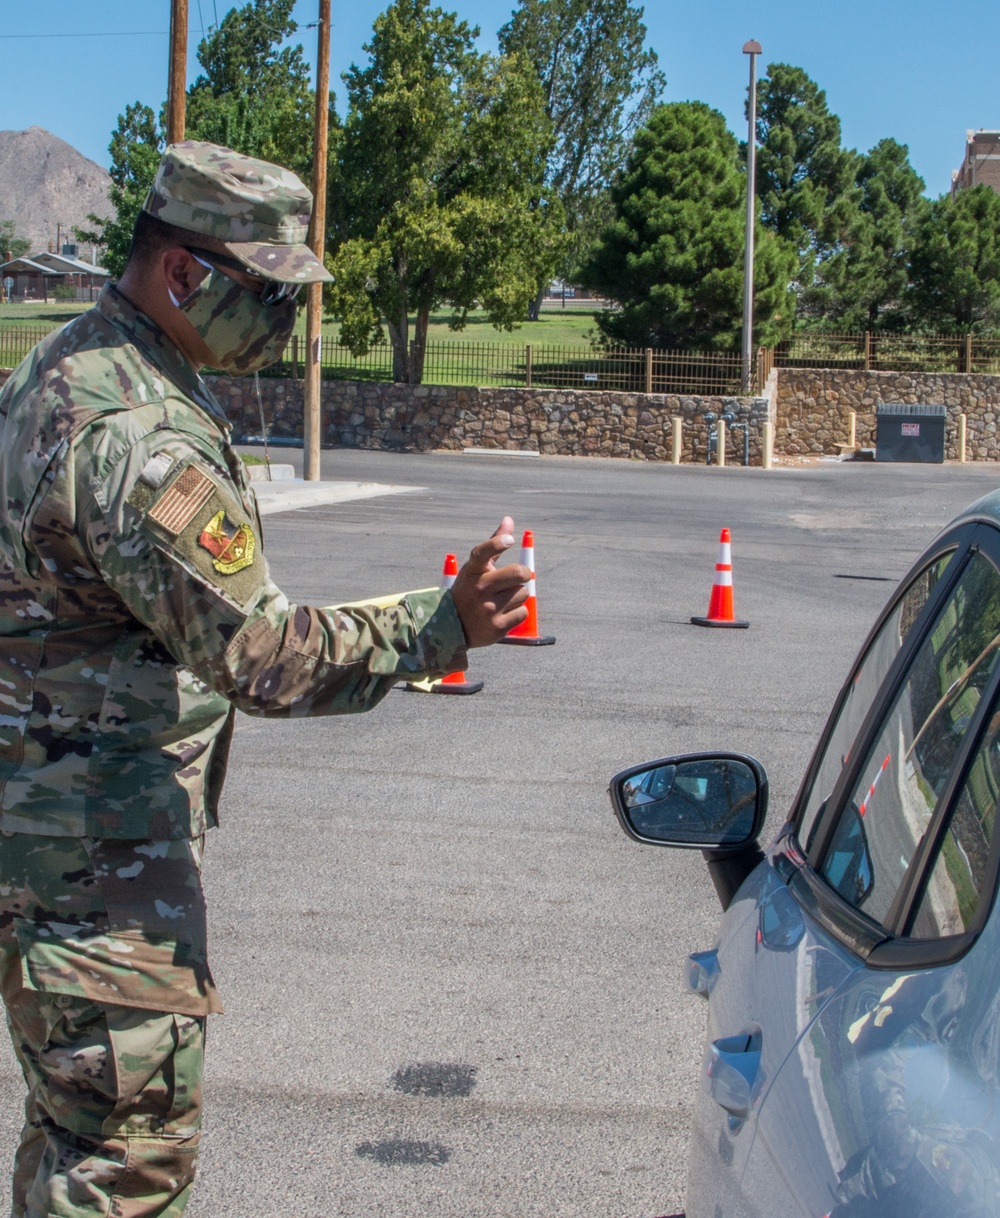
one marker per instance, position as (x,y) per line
(242,334)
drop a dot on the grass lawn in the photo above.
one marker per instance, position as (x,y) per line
(565,327)
(557,325)
(34,313)
(478,354)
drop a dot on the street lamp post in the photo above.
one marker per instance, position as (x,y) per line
(753,49)
(313,372)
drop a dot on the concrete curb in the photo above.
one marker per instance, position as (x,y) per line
(288,496)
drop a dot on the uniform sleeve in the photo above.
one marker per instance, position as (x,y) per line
(175,541)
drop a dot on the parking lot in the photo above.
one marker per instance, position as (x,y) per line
(452,985)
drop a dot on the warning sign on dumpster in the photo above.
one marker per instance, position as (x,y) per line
(910,429)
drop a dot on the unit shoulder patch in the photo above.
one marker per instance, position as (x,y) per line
(231,545)
(206,524)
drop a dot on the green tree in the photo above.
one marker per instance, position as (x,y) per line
(441,197)
(600,83)
(11,245)
(673,258)
(135,148)
(864,281)
(254,94)
(806,181)
(955,264)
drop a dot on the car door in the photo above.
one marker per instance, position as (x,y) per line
(775,968)
(765,945)
(886,1104)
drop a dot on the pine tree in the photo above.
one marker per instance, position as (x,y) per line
(955,264)
(806,181)
(673,257)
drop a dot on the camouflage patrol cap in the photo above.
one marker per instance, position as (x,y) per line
(258,211)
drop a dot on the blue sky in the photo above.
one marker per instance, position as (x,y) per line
(918,71)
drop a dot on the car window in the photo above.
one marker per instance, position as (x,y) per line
(959,877)
(884,820)
(866,684)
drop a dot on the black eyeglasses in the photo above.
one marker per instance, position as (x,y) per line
(273,292)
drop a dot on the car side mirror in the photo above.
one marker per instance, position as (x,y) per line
(714,802)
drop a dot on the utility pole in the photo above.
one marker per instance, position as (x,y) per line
(177,75)
(753,49)
(317,243)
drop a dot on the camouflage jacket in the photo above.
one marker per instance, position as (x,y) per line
(136,609)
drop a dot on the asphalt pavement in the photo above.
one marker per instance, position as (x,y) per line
(452,985)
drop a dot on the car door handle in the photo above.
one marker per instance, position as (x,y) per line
(702,972)
(732,1072)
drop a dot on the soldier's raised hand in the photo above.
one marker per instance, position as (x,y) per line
(490,599)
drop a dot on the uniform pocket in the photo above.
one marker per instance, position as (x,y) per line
(158,1066)
(150,972)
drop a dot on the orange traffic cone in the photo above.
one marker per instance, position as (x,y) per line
(720,605)
(454,682)
(526,635)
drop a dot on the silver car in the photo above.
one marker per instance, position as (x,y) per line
(853,1060)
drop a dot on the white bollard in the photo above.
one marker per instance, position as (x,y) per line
(962,422)
(720,444)
(676,439)
(852,429)
(767,444)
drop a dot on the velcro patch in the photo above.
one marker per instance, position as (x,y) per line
(154,472)
(203,521)
(178,505)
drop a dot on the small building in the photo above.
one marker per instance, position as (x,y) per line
(981,163)
(36,277)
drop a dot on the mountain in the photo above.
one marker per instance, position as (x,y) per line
(45,183)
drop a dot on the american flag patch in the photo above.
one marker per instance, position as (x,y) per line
(176,507)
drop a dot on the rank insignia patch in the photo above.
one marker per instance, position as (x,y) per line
(231,545)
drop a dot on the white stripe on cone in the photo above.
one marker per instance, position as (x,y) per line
(528,560)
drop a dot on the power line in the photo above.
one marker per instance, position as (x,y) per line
(111,34)
(310,25)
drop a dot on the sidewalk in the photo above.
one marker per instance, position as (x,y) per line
(287,493)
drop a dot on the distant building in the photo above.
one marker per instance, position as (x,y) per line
(37,276)
(981,163)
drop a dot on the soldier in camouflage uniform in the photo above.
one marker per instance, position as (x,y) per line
(136,616)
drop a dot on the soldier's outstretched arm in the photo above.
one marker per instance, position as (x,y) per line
(172,538)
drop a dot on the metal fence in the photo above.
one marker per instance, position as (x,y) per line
(535,366)
(17,341)
(891,352)
(623,369)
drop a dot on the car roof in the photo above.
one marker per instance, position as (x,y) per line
(987,508)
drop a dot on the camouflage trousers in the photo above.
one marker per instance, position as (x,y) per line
(104,976)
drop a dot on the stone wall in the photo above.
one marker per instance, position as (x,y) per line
(813,405)
(809,407)
(563,422)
